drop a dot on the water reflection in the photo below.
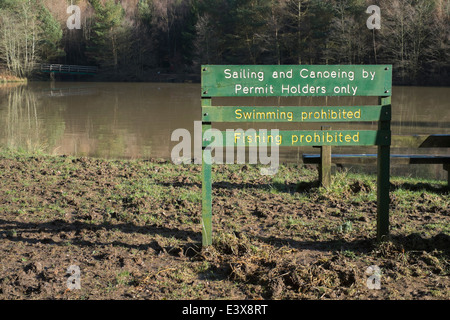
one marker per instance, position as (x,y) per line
(20,124)
(136,120)
(69,91)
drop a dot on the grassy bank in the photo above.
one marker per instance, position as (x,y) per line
(133,228)
(5,78)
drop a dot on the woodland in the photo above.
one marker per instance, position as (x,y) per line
(134,39)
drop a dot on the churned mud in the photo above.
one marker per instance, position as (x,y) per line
(133,229)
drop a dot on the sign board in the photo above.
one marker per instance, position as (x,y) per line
(295,114)
(297,80)
(299,138)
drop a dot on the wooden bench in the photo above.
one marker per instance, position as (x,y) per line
(420,141)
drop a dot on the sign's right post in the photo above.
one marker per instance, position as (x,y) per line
(383,169)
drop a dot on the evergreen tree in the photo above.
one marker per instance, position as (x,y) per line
(103,46)
(51,34)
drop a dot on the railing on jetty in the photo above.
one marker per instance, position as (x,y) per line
(72,69)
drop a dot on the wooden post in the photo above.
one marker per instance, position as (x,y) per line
(325,163)
(383,181)
(206,185)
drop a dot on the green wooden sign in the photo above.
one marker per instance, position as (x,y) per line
(296,80)
(296,114)
(296,138)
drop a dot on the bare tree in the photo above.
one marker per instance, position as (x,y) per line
(406,33)
(437,52)
(19,38)
(348,37)
(296,11)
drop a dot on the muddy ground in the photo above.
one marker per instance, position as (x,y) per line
(133,229)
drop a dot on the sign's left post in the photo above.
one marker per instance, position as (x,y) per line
(206,182)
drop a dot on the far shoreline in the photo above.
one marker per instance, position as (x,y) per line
(6,78)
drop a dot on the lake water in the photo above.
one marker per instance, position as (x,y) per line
(136,120)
